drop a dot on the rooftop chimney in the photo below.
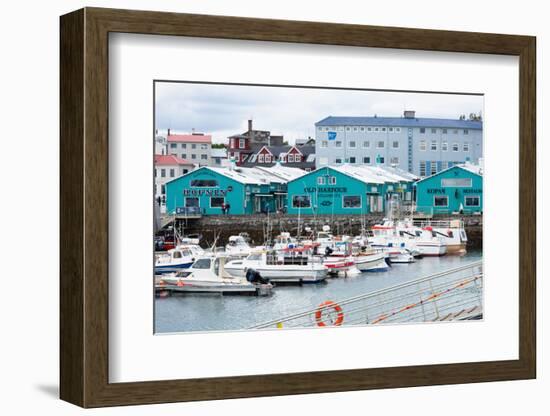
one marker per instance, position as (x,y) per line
(249,126)
(409,113)
(168,132)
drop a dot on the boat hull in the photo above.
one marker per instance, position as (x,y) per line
(371,263)
(281,274)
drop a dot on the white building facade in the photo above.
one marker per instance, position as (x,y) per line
(422,146)
(195,148)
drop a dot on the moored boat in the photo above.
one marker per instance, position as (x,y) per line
(208,274)
(288,266)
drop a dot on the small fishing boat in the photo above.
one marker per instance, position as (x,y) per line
(181,257)
(452,232)
(208,275)
(292,265)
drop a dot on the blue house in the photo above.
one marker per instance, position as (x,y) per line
(346,189)
(453,190)
(246,190)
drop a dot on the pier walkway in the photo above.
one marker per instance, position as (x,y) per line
(451,295)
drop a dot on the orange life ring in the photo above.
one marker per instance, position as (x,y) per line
(324,307)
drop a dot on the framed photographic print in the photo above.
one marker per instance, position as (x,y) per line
(255,207)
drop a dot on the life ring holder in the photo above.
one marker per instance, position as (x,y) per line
(328,307)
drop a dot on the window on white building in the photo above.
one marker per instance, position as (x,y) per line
(204,146)
(204,157)
(352,159)
(422,145)
(369,129)
(455,147)
(444,131)
(348,128)
(172,173)
(338,143)
(366,159)
(184,146)
(351,144)
(380,144)
(366,144)
(466,131)
(324,144)
(163,173)
(434,131)
(455,131)
(383,129)
(338,160)
(444,146)
(433,168)
(394,160)
(433,145)
(466,147)
(422,130)
(395,144)
(398,129)
(193,146)
(390,129)
(422,168)
(355,129)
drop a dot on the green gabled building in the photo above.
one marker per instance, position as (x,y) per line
(347,189)
(458,189)
(247,190)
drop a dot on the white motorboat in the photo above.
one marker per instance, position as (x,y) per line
(238,246)
(208,274)
(289,266)
(452,232)
(181,257)
(427,242)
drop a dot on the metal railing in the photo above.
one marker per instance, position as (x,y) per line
(455,294)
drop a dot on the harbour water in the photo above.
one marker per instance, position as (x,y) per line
(213,312)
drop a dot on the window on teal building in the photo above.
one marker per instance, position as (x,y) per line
(471,201)
(301,201)
(204,183)
(441,201)
(351,201)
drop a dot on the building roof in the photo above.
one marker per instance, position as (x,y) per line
(162,160)
(189,138)
(400,122)
(219,153)
(247,176)
(284,172)
(469,167)
(308,159)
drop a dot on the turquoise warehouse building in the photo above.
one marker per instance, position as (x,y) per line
(454,190)
(347,189)
(247,190)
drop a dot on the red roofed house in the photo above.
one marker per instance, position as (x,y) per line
(195,147)
(168,167)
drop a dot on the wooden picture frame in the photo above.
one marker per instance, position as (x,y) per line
(84,207)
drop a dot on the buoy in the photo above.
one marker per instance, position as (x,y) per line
(326,307)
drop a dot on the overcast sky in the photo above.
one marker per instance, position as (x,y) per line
(223,110)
